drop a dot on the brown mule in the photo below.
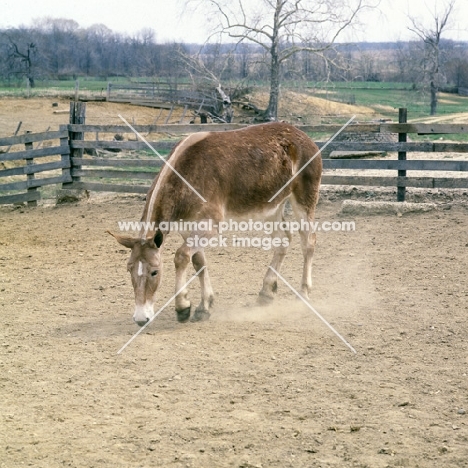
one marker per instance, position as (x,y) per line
(215,176)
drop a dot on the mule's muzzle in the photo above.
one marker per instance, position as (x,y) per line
(143,313)
(141,323)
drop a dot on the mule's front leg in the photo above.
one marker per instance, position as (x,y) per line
(182,304)
(270,281)
(207,296)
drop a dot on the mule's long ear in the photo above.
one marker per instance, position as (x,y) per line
(126,241)
(158,238)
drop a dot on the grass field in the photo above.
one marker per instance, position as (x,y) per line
(90,84)
(385,98)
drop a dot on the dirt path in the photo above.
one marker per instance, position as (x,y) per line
(252,387)
(39,114)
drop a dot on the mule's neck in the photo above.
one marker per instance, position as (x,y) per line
(156,212)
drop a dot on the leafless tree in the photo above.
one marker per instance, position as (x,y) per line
(24,55)
(208,84)
(284,28)
(407,58)
(431,36)
(456,66)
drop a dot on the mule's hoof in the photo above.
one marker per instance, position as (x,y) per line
(183,315)
(264,300)
(200,315)
(305,294)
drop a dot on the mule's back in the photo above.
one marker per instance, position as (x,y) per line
(238,170)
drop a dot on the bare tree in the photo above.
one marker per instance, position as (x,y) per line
(206,82)
(284,28)
(431,35)
(407,58)
(24,55)
(456,66)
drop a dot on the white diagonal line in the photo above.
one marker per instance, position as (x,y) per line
(314,311)
(161,309)
(312,158)
(142,138)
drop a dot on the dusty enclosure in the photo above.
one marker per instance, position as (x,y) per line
(252,387)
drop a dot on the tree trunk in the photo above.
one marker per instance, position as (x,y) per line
(435,79)
(272,111)
(433,97)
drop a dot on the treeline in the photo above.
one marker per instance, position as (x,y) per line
(60,48)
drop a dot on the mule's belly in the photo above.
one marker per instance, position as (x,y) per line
(270,211)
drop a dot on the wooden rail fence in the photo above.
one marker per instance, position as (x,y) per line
(162,95)
(32,174)
(111,168)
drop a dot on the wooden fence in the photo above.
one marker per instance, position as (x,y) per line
(162,95)
(27,173)
(89,161)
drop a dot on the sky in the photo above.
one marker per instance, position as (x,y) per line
(170,23)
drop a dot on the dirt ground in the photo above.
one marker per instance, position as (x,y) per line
(39,115)
(252,387)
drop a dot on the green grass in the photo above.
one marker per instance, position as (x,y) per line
(457,137)
(387,98)
(90,84)
(359,85)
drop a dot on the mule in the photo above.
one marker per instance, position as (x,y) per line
(217,176)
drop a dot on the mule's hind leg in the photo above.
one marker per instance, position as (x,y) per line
(308,241)
(181,261)
(207,296)
(270,281)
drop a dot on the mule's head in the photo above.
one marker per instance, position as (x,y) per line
(145,268)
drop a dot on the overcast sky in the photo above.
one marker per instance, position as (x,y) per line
(170,24)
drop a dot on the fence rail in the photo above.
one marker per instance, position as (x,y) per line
(67,162)
(415,182)
(420,129)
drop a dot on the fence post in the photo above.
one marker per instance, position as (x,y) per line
(402,137)
(30,177)
(77,116)
(65,157)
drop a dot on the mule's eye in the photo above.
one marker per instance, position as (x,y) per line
(154,273)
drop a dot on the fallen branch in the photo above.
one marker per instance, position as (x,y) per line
(16,133)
